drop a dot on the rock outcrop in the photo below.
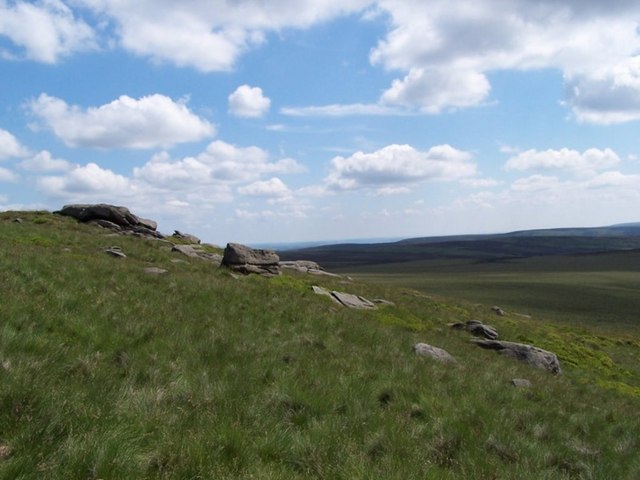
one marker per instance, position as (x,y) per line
(185,237)
(477,328)
(245,260)
(526,353)
(115,218)
(426,350)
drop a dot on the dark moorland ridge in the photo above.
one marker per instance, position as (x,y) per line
(482,248)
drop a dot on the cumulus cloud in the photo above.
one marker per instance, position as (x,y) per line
(396,165)
(220,162)
(89,180)
(10,147)
(565,159)
(458,46)
(44,30)
(433,90)
(444,55)
(248,102)
(209,35)
(44,162)
(608,95)
(148,122)
(272,188)
(7,175)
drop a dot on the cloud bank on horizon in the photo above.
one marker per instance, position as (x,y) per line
(324,119)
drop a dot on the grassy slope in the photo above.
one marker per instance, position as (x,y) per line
(107,372)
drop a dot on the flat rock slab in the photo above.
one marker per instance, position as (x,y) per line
(115,252)
(353,301)
(155,271)
(346,299)
(477,328)
(526,353)
(429,351)
(521,383)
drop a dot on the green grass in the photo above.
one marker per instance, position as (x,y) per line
(107,372)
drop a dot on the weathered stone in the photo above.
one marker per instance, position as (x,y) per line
(382,301)
(246,260)
(115,252)
(521,383)
(18,220)
(146,223)
(477,328)
(155,271)
(187,250)
(497,310)
(353,301)
(307,266)
(526,353)
(321,291)
(300,265)
(120,216)
(187,237)
(107,224)
(426,350)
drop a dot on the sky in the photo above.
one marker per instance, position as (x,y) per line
(264,121)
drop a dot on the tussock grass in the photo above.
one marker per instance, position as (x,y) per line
(107,372)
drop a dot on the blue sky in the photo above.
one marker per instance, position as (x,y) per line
(278,121)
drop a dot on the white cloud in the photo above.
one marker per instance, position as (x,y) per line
(45,30)
(458,46)
(444,55)
(220,163)
(566,159)
(338,110)
(396,165)
(606,96)
(614,179)
(386,191)
(89,181)
(272,188)
(210,35)
(433,90)
(248,102)
(7,175)
(149,122)
(480,182)
(10,147)
(44,162)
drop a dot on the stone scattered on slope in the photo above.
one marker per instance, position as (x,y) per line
(526,353)
(382,301)
(187,250)
(307,266)
(521,383)
(346,299)
(439,354)
(197,251)
(497,310)
(354,301)
(119,219)
(155,271)
(477,328)
(246,260)
(186,237)
(115,252)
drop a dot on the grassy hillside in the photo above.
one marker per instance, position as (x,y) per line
(109,372)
